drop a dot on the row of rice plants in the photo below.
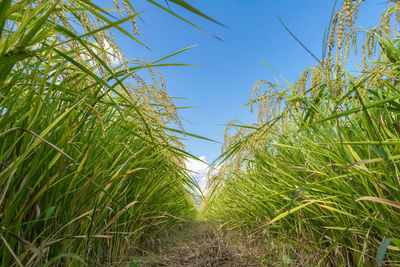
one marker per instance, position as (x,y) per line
(88,168)
(317,179)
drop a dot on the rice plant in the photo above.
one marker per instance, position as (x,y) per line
(317,179)
(90,163)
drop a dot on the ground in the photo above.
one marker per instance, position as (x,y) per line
(200,244)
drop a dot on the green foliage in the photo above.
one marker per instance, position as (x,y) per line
(88,166)
(318,176)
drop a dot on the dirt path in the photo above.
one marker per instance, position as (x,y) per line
(200,244)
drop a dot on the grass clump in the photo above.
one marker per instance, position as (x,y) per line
(88,168)
(317,178)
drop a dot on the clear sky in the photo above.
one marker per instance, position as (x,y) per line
(231,68)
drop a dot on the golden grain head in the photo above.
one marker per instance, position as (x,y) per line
(118,6)
(133,20)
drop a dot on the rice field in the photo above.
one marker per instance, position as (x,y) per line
(88,167)
(92,165)
(316,179)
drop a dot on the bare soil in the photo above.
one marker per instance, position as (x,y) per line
(200,244)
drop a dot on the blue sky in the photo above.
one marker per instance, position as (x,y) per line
(231,68)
